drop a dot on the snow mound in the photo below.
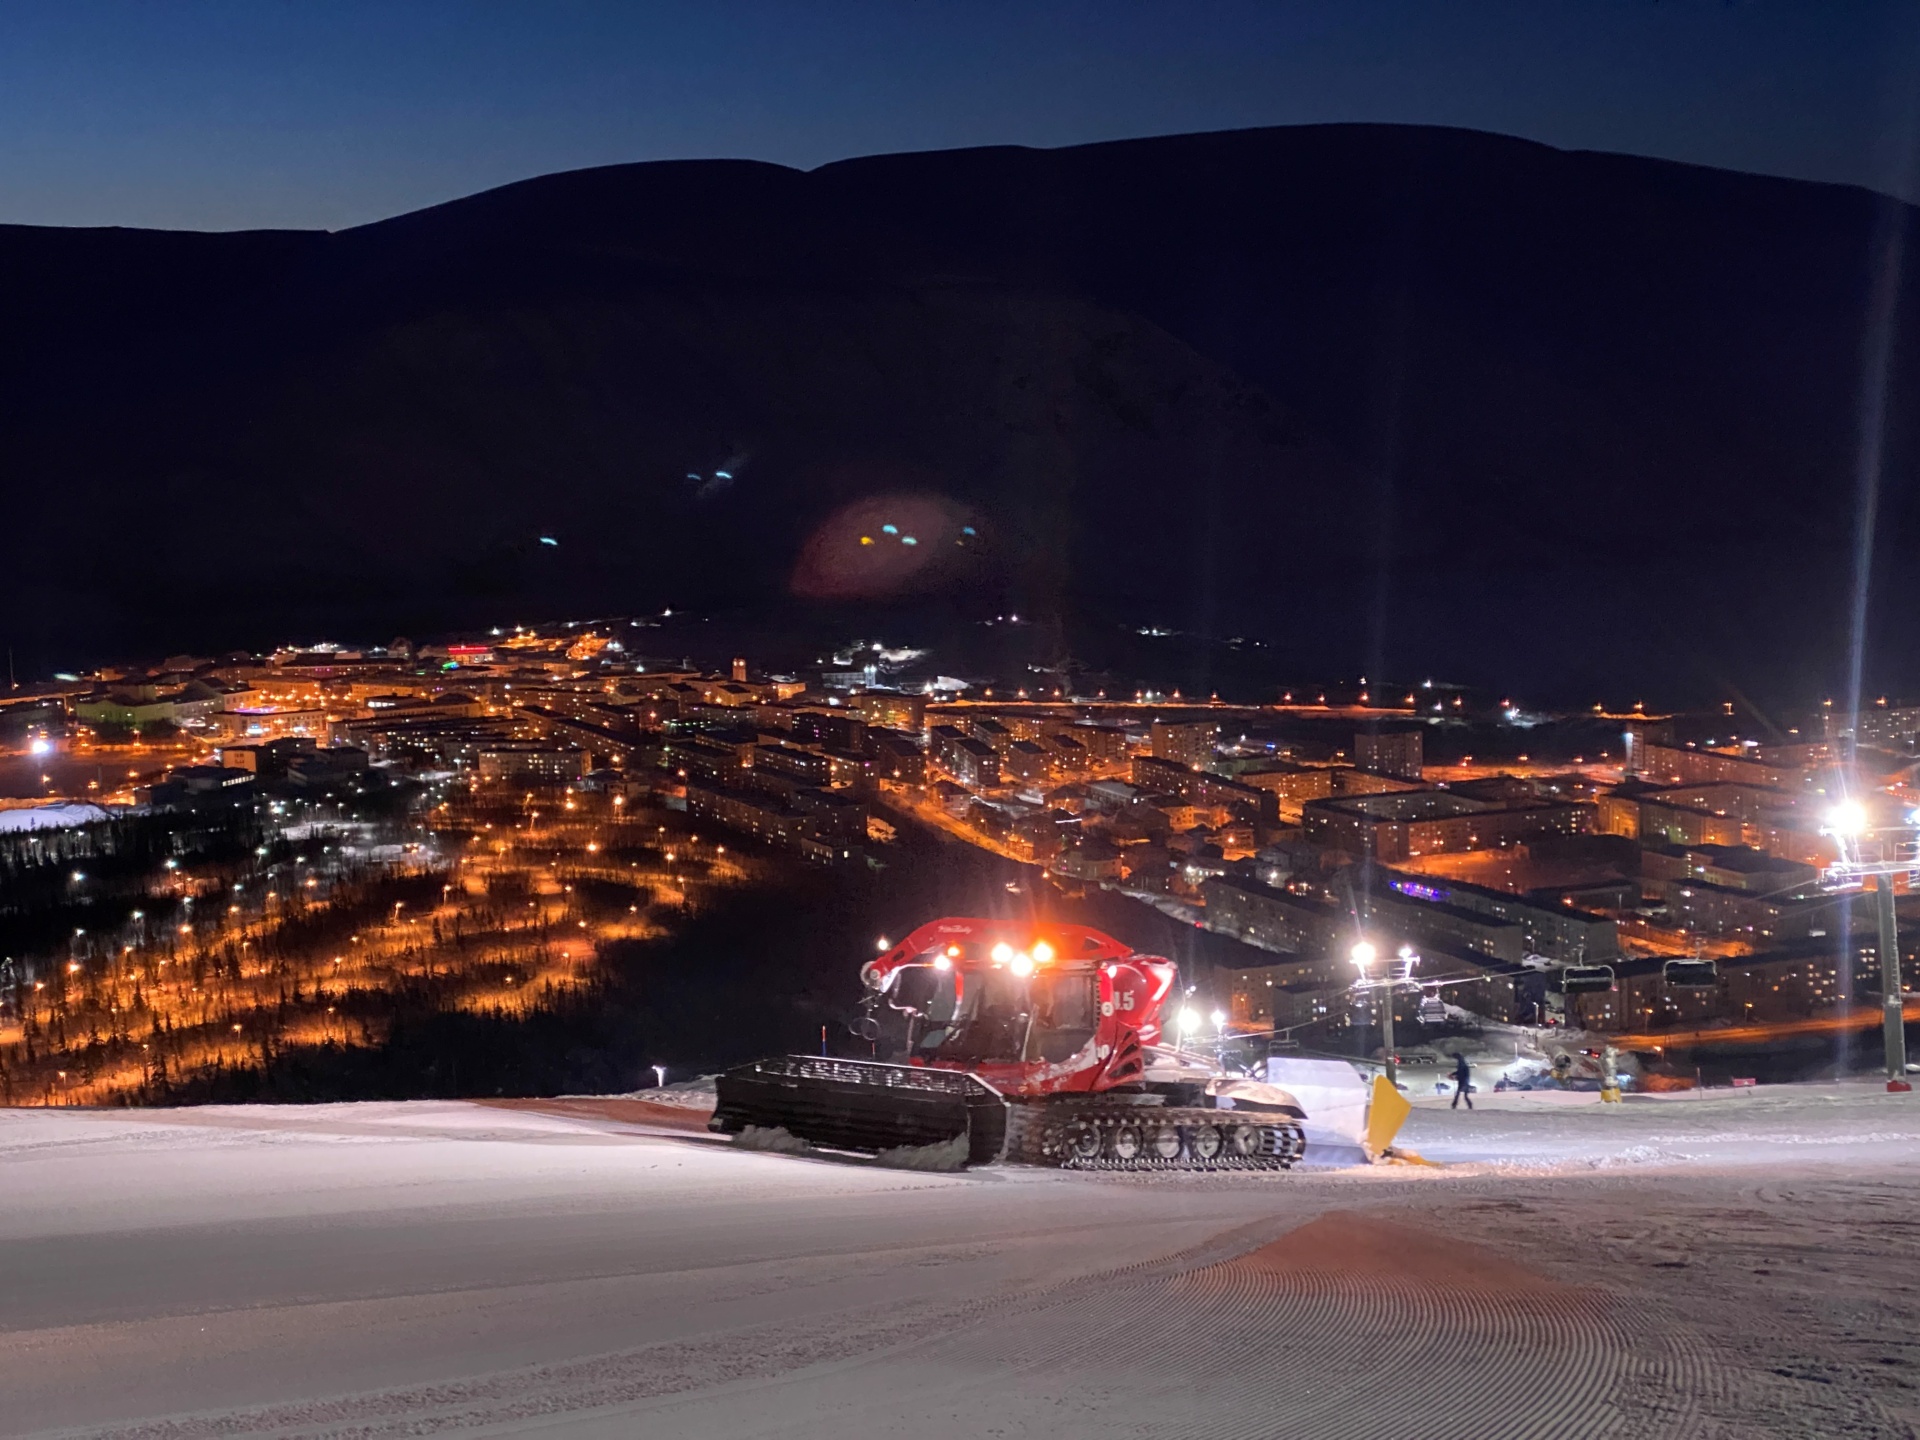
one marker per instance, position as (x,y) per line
(62,816)
(946,1155)
(773,1139)
(696,1094)
(1643,1155)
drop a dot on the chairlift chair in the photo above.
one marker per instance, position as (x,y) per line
(1691,974)
(1586,979)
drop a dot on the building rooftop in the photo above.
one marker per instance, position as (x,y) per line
(1404,805)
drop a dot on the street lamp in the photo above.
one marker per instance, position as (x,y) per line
(1847,823)
(659,1076)
(1189,1019)
(1363,956)
(1846,820)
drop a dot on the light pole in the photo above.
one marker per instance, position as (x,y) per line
(1363,956)
(1847,823)
(659,1076)
(1893,1020)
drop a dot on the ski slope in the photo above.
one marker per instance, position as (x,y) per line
(1741,1264)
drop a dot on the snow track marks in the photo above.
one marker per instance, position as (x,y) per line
(1349,1326)
(1251,1348)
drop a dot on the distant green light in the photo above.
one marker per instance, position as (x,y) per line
(889,529)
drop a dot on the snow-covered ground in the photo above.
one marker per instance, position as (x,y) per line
(1736,1264)
(1854,1122)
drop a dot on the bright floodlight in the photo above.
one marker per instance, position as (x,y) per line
(1363,954)
(1022,964)
(1189,1020)
(1219,1019)
(880,944)
(942,962)
(1002,953)
(41,746)
(1847,818)
(1042,952)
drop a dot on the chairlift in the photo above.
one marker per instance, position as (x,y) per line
(1693,974)
(1586,979)
(1433,1010)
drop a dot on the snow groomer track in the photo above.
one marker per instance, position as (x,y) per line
(1411,1336)
(1500,1355)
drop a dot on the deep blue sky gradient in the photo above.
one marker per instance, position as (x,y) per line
(224,114)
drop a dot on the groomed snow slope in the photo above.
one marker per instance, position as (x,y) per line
(1738,1265)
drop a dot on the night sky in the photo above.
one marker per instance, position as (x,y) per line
(250,113)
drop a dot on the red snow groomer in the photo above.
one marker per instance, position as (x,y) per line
(1037,1043)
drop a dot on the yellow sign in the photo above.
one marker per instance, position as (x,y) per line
(1385,1116)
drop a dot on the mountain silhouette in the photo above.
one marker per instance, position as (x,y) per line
(1423,400)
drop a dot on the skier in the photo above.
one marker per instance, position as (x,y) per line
(1462,1082)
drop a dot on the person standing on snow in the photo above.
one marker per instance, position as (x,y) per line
(1462,1082)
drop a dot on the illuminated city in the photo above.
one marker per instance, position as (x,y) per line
(237,864)
(1070,720)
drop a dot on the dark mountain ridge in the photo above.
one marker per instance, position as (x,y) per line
(1406,399)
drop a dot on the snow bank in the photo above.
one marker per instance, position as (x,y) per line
(696,1094)
(946,1156)
(773,1139)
